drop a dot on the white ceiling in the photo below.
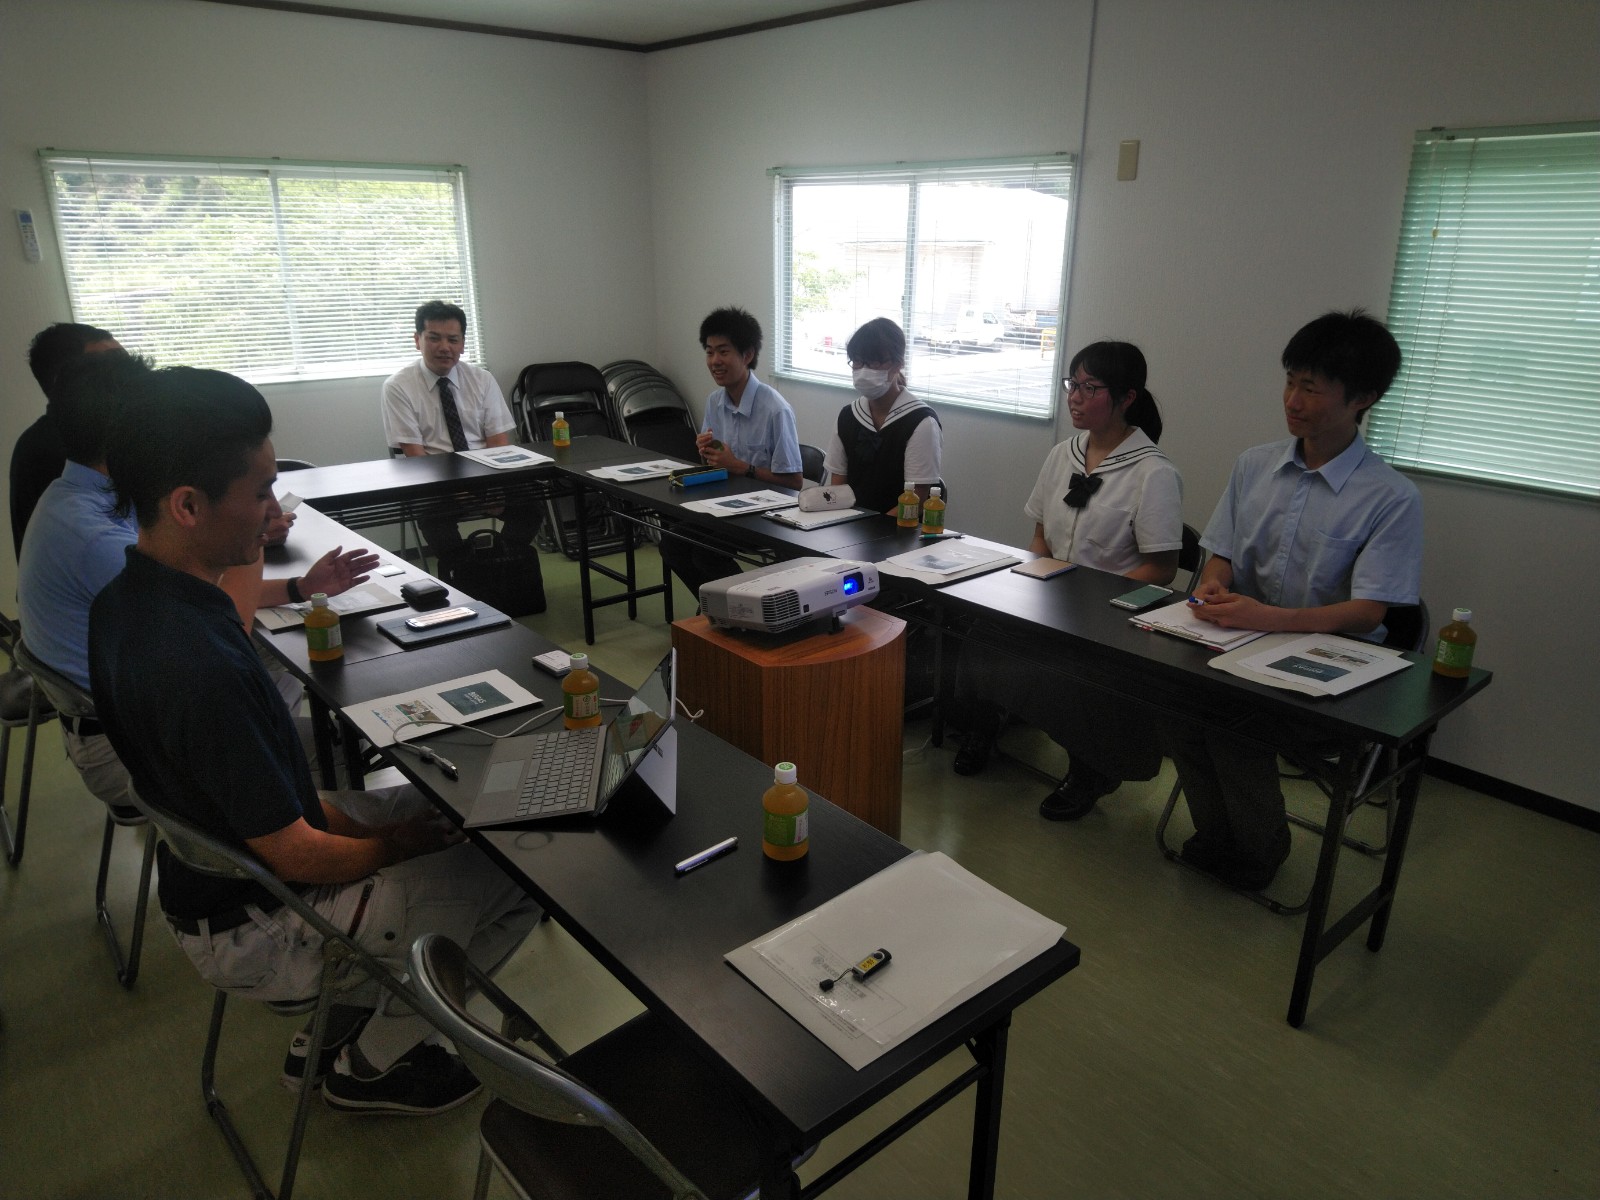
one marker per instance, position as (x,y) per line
(634,22)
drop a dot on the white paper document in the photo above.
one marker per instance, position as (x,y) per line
(288,502)
(939,563)
(949,935)
(743,505)
(427,710)
(1179,620)
(1317,664)
(796,519)
(658,468)
(504,458)
(363,598)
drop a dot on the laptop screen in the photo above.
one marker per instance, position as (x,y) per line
(637,727)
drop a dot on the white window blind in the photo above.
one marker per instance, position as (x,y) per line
(970,259)
(272,270)
(1496,306)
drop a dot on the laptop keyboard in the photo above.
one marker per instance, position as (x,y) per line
(561,773)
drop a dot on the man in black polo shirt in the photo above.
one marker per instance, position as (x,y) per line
(196,719)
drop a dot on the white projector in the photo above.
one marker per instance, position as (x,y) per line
(788,594)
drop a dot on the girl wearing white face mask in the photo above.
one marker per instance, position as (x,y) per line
(886,435)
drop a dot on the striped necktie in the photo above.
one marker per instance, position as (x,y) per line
(452,416)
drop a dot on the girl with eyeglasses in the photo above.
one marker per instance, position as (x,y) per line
(1106,498)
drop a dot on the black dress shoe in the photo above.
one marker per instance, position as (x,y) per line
(1251,875)
(1207,854)
(1077,794)
(975,750)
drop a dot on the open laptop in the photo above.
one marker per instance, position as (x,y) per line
(575,771)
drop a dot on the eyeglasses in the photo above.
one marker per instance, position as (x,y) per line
(1088,388)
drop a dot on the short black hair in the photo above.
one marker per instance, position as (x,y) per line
(879,340)
(739,327)
(439,310)
(184,427)
(88,394)
(1350,348)
(54,347)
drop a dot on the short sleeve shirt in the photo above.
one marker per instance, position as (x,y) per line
(760,429)
(924,461)
(75,545)
(1299,538)
(196,719)
(411,410)
(1136,510)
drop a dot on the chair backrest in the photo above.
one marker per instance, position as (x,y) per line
(202,852)
(69,699)
(654,397)
(1406,627)
(444,977)
(811,458)
(571,383)
(297,464)
(1191,557)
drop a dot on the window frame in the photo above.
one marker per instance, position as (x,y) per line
(375,360)
(1456,314)
(1061,165)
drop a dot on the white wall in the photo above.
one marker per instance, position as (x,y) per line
(617,199)
(1275,140)
(552,138)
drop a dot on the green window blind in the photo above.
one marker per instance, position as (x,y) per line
(1496,306)
(968,258)
(275,271)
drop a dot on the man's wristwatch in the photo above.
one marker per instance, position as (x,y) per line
(292,587)
(749,470)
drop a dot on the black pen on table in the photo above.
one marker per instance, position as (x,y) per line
(709,854)
(939,537)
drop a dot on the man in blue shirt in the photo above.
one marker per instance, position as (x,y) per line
(748,429)
(195,717)
(1315,534)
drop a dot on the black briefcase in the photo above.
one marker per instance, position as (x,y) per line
(502,575)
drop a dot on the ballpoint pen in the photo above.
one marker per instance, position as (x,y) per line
(939,537)
(709,854)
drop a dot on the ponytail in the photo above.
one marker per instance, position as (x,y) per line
(1143,414)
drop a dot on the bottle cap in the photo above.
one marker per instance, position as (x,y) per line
(580,662)
(320,600)
(909,486)
(785,773)
(1462,614)
(936,490)
(561,416)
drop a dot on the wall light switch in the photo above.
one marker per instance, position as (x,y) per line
(1128,160)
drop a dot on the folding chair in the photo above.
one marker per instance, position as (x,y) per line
(72,703)
(344,963)
(22,706)
(811,460)
(1377,768)
(652,414)
(632,1114)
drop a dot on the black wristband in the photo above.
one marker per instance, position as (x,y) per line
(292,586)
(749,470)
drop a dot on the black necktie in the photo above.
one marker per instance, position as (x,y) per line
(1080,488)
(452,416)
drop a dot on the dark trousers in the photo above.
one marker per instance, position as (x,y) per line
(443,534)
(695,565)
(1231,784)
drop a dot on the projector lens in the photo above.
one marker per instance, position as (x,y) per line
(852,583)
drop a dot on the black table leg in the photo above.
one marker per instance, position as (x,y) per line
(583,564)
(1406,797)
(990,1050)
(323,741)
(1321,892)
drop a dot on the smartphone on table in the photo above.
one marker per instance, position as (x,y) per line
(1142,598)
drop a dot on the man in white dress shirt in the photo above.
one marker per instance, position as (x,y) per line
(438,405)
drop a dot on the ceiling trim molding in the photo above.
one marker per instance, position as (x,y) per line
(566,39)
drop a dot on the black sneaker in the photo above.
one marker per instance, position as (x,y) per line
(1077,794)
(425,1080)
(1206,854)
(345,1023)
(1249,875)
(975,750)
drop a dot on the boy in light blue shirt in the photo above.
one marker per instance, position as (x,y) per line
(1315,534)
